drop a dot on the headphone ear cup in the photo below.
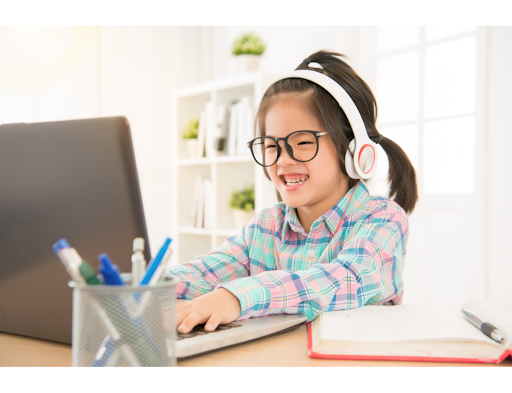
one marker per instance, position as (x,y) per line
(349,161)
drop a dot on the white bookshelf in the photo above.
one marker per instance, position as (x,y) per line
(227,173)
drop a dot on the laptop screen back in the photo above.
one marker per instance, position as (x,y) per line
(74,179)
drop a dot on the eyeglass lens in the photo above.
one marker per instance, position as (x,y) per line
(303,144)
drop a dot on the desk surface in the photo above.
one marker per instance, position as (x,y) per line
(287,349)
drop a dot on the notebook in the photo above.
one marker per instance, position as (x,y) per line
(199,341)
(412,332)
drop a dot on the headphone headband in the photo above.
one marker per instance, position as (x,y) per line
(362,147)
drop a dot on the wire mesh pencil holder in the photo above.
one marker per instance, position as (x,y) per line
(124,325)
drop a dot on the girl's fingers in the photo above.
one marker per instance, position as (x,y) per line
(192,320)
(181,316)
(213,322)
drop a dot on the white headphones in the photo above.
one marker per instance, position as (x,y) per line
(361,158)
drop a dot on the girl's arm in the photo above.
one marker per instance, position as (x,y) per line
(206,272)
(368,270)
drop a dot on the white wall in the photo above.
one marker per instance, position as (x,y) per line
(48,73)
(139,66)
(499,178)
(286,46)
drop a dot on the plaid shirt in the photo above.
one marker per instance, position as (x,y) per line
(365,266)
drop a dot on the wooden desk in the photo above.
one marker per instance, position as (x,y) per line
(287,349)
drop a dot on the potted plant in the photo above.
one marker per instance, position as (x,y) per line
(248,48)
(190,136)
(242,203)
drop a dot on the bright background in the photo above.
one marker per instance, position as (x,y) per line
(443,94)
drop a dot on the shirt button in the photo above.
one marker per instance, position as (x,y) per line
(311,253)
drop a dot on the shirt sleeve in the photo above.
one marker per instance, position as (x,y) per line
(367,270)
(206,272)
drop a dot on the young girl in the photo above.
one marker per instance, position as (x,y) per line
(274,265)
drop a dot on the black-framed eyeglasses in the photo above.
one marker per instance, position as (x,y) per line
(301,145)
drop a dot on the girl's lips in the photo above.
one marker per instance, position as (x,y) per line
(292,188)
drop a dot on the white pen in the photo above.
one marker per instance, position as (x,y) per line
(138,261)
(487,328)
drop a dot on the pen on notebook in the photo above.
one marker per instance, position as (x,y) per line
(487,328)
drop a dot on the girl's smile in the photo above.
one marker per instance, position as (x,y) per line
(293,181)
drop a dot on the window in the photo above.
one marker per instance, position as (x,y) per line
(426,92)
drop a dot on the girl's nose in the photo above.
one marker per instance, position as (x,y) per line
(284,158)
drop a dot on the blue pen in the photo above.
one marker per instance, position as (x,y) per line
(153,264)
(109,271)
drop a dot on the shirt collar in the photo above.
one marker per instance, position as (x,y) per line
(333,216)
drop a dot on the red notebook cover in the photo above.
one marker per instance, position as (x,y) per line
(316,355)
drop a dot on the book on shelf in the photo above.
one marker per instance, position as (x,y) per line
(412,332)
(210,130)
(221,128)
(244,125)
(207,208)
(201,133)
(233,120)
(201,214)
(200,206)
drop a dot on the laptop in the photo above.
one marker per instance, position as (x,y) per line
(75,179)
(200,341)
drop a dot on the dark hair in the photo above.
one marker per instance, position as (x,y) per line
(325,108)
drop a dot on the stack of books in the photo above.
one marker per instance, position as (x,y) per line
(225,130)
(201,211)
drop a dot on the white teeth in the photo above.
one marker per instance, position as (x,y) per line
(295,182)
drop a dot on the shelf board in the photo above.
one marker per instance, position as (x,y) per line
(210,160)
(220,84)
(207,231)
(195,231)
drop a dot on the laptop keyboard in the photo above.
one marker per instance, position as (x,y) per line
(199,330)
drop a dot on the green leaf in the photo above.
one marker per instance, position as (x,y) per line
(191,130)
(248,44)
(243,200)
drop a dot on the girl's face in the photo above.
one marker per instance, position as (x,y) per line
(324,183)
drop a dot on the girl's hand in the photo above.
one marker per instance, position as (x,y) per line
(214,308)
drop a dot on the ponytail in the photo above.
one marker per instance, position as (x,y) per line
(402,176)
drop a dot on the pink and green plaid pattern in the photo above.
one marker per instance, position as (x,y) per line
(366,266)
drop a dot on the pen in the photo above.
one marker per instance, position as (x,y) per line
(71,261)
(487,328)
(109,271)
(159,272)
(138,261)
(153,265)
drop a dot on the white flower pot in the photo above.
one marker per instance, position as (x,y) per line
(241,217)
(248,63)
(191,147)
